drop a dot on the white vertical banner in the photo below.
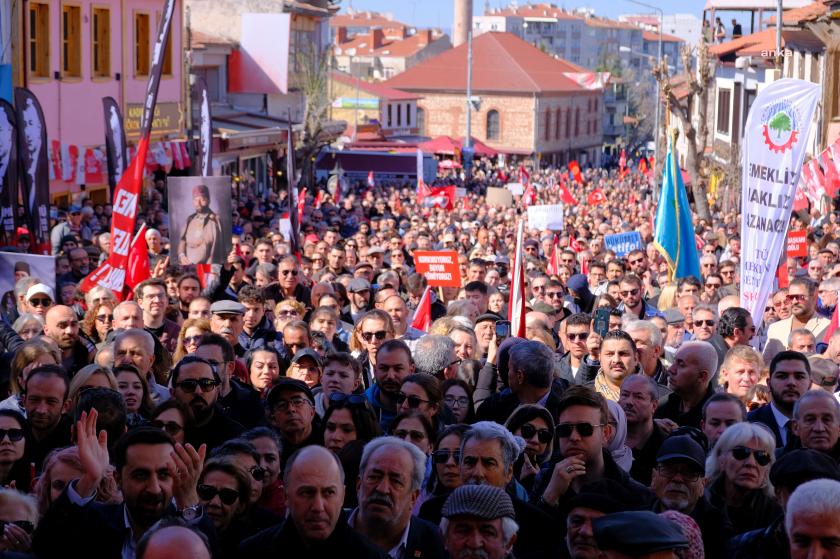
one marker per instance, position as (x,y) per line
(420,180)
(775,138)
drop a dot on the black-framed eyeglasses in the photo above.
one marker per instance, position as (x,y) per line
(670,471)
(226,495)
(456,401)
(564,430)
(554,294)
(413,401)
(443,456)
(172,428)
(190,385)
(741,453)
(528,431)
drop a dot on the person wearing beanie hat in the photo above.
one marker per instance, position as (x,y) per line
(201,239)
(578,286)
(479,521)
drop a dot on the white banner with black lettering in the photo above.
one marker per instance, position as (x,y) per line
(775,140)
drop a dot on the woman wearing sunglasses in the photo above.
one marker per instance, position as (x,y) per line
(223,489)
(99,321)
(174,417)
(446,474)
(738,469)
(421,392)
(15,440)
(533,423)
(189,337)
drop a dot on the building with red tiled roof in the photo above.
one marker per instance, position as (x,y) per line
(524,104)
(373,107)
(376,47)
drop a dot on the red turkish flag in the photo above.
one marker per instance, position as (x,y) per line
(643,166)
(574,167)
(553,267)
(138,269)
(566,195)
(423,315)
(596,197)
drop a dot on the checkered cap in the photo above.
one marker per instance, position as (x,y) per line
(483,501)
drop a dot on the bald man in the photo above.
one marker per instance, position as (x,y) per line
(314,483)
(690,378)
(62,326)
(173,542)
(396,308)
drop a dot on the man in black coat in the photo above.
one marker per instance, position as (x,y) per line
(487,456)
(315,525)
(390,476)
(790,378)
(530,381)
(76,525)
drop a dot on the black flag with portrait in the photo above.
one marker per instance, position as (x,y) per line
(203,122)
(34,166)
(115,146)
(8,173)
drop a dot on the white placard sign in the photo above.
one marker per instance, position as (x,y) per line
(516,188)
(546,217)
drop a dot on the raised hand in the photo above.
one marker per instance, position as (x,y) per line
(187,464)
(93,453)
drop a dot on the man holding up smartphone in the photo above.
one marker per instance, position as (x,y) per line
(576,366)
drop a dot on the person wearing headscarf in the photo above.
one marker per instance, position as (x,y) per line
(578,286)
(621,453)
(691,531)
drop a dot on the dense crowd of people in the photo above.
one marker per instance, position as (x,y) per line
(286,406)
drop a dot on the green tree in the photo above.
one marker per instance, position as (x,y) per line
(780,123)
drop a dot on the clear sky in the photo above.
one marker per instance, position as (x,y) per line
(438,13)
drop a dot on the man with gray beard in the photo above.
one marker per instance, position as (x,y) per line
(678,484)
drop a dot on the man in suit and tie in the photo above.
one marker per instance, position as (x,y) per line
(790,378)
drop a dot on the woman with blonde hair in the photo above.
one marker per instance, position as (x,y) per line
(738,472)
(31,354)
(90,376)
(63,466)
(99,320)
(28,326)
(667,297)
(190,335)
(286,311)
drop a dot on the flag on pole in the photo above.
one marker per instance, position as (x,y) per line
(622,162)
(674,234)
(596,197)
(371,183)
(112,273)
(423,315)
(516,303)
(139,268)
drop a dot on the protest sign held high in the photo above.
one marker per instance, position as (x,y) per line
(623,243)
(775,140)
(440,268)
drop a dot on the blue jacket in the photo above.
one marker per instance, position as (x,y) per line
(385,416)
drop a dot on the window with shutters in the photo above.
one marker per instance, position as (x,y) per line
(166,67)
(39,40)
(493,125)
(71,41)
(100,36)
(142,52)
(723,101)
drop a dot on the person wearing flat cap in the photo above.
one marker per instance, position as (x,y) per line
(637,534)
(678,483)
(201,241)
(479,521)
(790,471)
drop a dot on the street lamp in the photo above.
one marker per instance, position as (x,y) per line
(658,63)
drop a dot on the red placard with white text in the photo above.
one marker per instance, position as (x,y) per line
(440,268)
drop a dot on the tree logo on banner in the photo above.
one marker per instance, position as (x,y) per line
(780,126)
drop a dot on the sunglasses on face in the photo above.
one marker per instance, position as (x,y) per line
(226,495)
(564,430)
(287,313)
(715,285)
(413,401)
(554,294)
(192,339)
(581,336)
(104,318)
(369,336)
(190,385)
(170,427)
(443,456)
(632,292)
(796,297)
(741,453)
(40,302)
(292,272)
(528,431)
(24,525)
(708,323)
(14,434)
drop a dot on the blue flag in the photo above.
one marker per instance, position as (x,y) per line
(674,236)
